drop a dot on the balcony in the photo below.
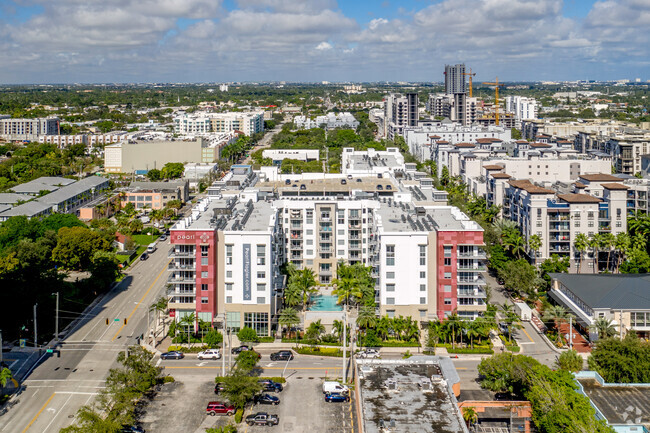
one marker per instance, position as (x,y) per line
(325,250)
(558,217)
(356,225)
(471,293)
(559,227)
(475,267)
(325,229)
(353,238)
(173,279)
(477,281)
(181,305)
(325,271)
(476,253)
(354,247)
(175,266)
(173,253)
(175,292)
(296,235)
(325,219)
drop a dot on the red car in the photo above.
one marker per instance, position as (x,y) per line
(216,407)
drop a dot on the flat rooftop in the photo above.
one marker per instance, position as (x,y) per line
(332,186)
(234,214)
(363,162)
(405,217)
(45,183)
(392,391)
(620,405)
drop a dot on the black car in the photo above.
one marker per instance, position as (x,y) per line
(270,386)
(283,355)
(144,256)
(262,418)
(287,182)
(303,186)
(242,348)
(174,354)
(266,399)
(219,387)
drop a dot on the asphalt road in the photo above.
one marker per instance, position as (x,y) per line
(58,387)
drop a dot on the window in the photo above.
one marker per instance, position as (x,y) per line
(390,313)
(539,223)
(618,224)
(390,255)
(310,232)
(204,250)
(447,288)
(447,301)
(204,274)
(228,299)
(261,287)
(309,252)
(423,287)
(447,261)
(424,275)
(539,213)
(261,300)
(341,241)
(590,224)
(390,275)
(590,215)
(204,300)
(423,313)
(228,274)
(261,254)
(341,232)
(423,255)
(258,321)
(447,251)
(204,261)
(390,301)
(228,286)
(447,275)
(423,300)
(233,319)
(310,241)
(390,287)
(340,252)
(229,254)
(261,274)
(204,287)
(577,223)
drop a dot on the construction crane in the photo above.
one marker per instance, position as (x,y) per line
(496,98)
(470,75)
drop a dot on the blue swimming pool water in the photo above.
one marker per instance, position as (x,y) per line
(325,303)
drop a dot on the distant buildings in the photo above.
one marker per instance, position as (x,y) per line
(400,111)
(248,123)
(328,121)
(522,107)
(278,155)
(27,129)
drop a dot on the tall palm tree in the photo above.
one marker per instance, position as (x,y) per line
(454,324)
(383,327)
(639,223)
(605,328)
(366,318)
(189,321)
(472,331)
(607,242)
(347,289)
(556,314)
(159,307)
(534,244)
(434,332)
(594,243)
(622,246)
(580,244)
(470,416)
(513,241)
(305,282)
(502,226)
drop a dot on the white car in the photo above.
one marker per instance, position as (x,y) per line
(210,354)
(368,354)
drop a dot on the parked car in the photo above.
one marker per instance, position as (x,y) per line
(368,354)
(242,348)
(380,187)
(262,418)
(287,182)
(332,387)
(163,237)
(216,407)
(283,355)
(132,429)
(388,187)
(209,354)
(343,181)
(269,385)
(174,354)
(336,397)
(144,256)
(359,180)
(303,186)
(219,387)
(266,399)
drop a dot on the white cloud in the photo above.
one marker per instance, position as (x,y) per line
(324,46)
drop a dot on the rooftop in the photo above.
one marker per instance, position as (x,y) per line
(72,190)
(615,186)
(600,177)
(9,198)
(172,184)
(616,292)
(28,209)
(500,175)
(619,404)
(45,183)
(330,186)
(579,198)
(529,187)
(415,394)
(405,217)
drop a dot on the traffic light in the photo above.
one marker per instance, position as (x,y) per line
(107,320)
(125,319)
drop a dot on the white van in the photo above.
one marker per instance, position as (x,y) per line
(151,248)
(335,387)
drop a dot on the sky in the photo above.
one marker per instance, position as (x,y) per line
(186,41)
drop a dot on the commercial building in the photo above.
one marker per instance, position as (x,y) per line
(247,123)
(28,129)
(155,195)
(371,162)
(620,298)
(315,220)
(278,155)
(144,155)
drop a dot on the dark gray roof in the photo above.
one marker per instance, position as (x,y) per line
(617,292)
(69,191)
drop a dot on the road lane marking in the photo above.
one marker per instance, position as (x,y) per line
(527,335)
(39,413)
(164,269)
(56,413)
(264,368)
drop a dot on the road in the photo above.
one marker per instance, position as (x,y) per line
(58,387)
(265,141)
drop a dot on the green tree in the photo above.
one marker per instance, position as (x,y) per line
(303,283)
(470,416)
(105,268)
(580,244)
(605,328)
(289,318)
(239,388)
(570,361)
(347,285)
(154,175)
(534,244)
(189,322)
(314,330)
(172,170)
(76,246)
(622,361)
(247,335)
(556,314)
(247,360)
(521,277)
(554,264)
(366,318)
(213,338)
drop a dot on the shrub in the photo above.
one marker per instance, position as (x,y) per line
(319,351)
(239,415)
(570,361)
(194,349)
(213,338)
(266,339)
(476,350)
(247,335)
(169,379)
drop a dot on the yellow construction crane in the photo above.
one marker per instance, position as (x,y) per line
(470,75)
(496,98)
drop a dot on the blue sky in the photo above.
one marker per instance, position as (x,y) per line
(312,40)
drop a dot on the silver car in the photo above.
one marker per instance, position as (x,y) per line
(210,354)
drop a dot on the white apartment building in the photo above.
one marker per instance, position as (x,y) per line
(277,155)
(521,107)
(455,107)
(400,111)
(28,129)
(248,123)
(371,162)
(626,146)
(328,121)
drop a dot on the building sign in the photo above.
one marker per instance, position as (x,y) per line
(247,272)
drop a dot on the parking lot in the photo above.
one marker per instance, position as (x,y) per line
(180,406)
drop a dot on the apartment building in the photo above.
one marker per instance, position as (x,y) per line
(28,129)
(400,111)
(248,123)
(371,162)
(455,81)
(521,107)
(532,128)
(426,256)
(457,108)
(155,195)
(327,121)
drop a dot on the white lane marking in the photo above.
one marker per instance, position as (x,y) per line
(52,410)
(201,364)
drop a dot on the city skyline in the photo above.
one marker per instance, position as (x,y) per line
(121,41)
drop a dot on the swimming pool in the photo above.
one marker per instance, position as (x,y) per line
(324,303)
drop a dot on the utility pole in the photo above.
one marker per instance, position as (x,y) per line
(56,320)
(345,311)
(35,328)
(229,351)
(570,332)
(1,347)
(620,325)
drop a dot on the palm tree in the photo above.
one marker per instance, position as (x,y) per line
(580,244)
(503,226)
(473,330)
(383,327)
(189,321)
(303,282)
(470,416)
(160,307)
(411,330)
(557,314)
(289,318)
(513,241)
(594,243)
(608,241)
(434,332)
(366,318)
(314,330)
(453,322)
(534,244)
(347,290)
(605,328)
(622,246)
(639,223)
(5,376)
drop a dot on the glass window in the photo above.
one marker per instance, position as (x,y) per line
(261,250)
(204,300)
(447,275)
(229,254)
(447,288)
(447,261)
(390,301)
(261,287)
(423,255)
(390,313)
(423,313)
(204,274)
(204,287)
(447,301)
(423,287)
(228,274)
(233,320)
(390,275)
(228,299)
(261,274)
(261,300)
(424,274)
(204,261)
(423,300)
(390,255)
(204,250)
(258,321)
(447,251)
(228,286)
(390,287)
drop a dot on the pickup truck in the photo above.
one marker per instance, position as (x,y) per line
(262,418)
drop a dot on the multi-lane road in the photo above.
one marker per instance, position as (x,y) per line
(59,386)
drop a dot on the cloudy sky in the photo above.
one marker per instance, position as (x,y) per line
(91,41)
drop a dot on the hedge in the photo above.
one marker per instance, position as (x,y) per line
(310,342)
(266,339)
(399,344)
(465,350)
(274,379)
(319,351)
(239,415)
(193,349)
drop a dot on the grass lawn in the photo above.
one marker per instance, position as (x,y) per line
(144,239)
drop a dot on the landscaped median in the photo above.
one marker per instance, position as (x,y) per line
(511,345)
(477,349)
